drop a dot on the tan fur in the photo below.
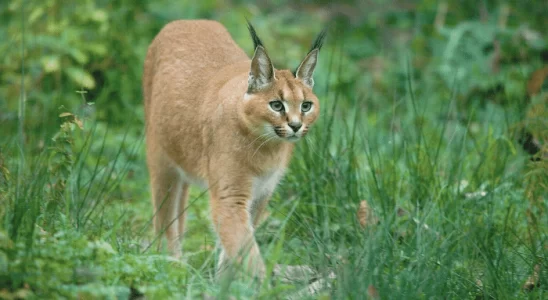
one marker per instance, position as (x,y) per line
(202,127)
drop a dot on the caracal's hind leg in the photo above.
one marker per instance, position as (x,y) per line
(167,189)
(183,197)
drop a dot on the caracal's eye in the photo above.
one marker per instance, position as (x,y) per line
(306,106)
(277,105)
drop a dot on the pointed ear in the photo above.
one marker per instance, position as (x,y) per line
(261,74)
(305,71)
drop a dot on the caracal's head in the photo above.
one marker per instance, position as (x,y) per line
(280,104)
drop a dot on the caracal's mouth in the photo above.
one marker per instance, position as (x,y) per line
(293,138)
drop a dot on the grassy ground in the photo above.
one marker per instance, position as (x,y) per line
(457,209)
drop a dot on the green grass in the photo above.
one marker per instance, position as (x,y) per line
(461,209)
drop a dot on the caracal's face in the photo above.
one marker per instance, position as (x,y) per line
(285,111)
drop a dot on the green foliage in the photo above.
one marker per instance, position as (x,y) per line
(421,105)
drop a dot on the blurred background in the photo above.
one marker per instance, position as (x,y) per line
(435,112)
(56,48)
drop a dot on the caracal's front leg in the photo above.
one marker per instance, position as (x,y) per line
(257,209)
(230,199)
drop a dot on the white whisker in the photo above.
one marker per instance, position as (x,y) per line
(271,137)
(264,135)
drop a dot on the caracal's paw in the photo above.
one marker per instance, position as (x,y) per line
(252,265)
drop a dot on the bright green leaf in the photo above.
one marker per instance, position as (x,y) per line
(80,77)
(50,63)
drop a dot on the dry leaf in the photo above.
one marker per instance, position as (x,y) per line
(79,122)
(365,215)
(372,292)
(536,81)
(532,281)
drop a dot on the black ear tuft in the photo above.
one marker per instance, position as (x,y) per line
(256,40)
(318,42)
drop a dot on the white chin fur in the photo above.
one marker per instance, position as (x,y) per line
(293,139)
